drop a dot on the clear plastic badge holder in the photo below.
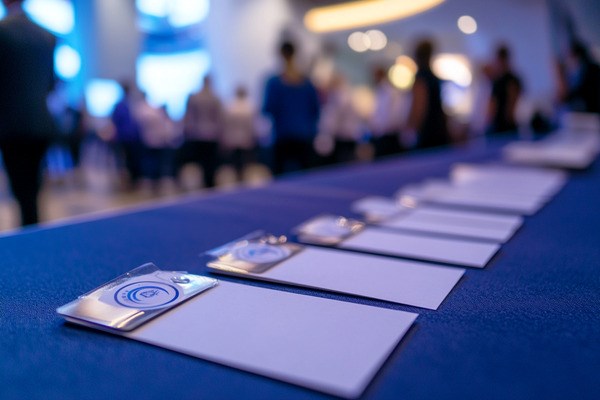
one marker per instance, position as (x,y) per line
(134,298)
(328,230)
(252,254)
(378,209)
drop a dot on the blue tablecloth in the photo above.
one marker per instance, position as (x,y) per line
(526,327)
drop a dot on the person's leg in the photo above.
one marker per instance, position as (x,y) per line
(23,161)
(209,160)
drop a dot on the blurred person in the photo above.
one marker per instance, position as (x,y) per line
(385,122)
(426,118)
(506,91)
(340,121)
(240,134)
(26,125)
(159,136)
(292,102)
(127,140)
(582,80)
(203,125)
(478,122)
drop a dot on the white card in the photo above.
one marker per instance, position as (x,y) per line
(453,251)
(521,181)
(577,151)
(445,193)
(471,224)
(331,346)
(478,225)
(406,282)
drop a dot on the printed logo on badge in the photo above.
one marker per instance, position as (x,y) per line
(261,253)
(146,295)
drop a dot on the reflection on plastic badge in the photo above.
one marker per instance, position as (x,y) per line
(328,229)
(262,253)
(377,209)
(254,253)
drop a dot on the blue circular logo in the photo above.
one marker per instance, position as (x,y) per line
(261,253)
(146,295)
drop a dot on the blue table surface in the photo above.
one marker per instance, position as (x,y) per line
(525,327)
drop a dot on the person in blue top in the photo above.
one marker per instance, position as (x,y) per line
(127,134)
(292,102)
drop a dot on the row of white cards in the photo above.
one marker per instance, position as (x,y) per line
(576,145)
(337,347)
(334,346)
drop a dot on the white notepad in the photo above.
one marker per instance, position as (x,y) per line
(473,197)
(452,251)
(330,346)
(471,224)
(405,282)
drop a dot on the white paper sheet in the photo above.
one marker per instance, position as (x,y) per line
(566,150)
(481,198)
(326,345)
(453,251)
(406,282)
(470,224)
(520,181)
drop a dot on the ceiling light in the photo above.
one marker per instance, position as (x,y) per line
(378,39)
(355,14)
(359,42)
(467,24)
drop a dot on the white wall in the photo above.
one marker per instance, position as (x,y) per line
(243,39)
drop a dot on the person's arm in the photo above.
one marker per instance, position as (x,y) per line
(418,106)
(512,97)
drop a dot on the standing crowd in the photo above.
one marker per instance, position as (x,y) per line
(150,145)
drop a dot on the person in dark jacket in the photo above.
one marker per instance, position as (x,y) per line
(427,118)
(26,125)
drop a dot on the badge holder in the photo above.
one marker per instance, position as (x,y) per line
(134,298)
(328,230)
(379,209)
(252,254)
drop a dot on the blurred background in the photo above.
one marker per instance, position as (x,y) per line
(165,49)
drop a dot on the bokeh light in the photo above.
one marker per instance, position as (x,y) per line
(359,42)
(377,39)
(178,13)
(67,62)
(467,24)
(168,79)
(57,16)
(101,95)
(402,73)
(453,67)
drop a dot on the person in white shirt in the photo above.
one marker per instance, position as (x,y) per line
(239,139)
(340,121)
(159,137)
(203,125)
(386,119)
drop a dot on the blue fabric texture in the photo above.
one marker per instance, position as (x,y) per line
(525,327)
